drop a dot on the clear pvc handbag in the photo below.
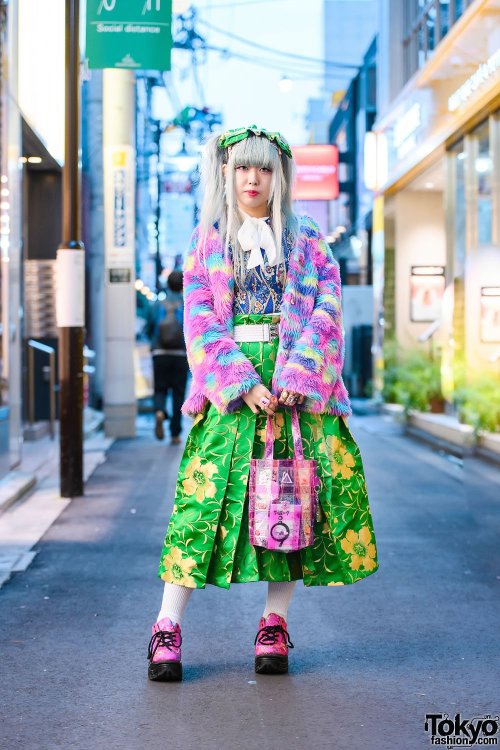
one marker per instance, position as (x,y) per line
(283,495)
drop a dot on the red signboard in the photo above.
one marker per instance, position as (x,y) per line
(317,173)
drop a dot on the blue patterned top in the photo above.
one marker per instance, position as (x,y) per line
(263,285)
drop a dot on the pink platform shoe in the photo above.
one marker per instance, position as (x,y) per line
(164,652)
(271,645)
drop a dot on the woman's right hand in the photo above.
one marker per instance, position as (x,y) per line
(254,396)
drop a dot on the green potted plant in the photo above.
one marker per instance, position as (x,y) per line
(478,404)
(413,379)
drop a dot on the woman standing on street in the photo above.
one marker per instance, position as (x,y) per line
(263,329)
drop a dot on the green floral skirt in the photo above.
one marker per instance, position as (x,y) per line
(207,538)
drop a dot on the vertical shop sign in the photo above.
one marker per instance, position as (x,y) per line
(119,176)
(134,34)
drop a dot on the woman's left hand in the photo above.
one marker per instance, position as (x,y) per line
(290,398)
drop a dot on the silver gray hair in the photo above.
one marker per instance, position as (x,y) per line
(219,201)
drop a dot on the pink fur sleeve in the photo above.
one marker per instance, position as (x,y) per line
(219,367)
(316,360)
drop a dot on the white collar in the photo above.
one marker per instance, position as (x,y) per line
(255,235)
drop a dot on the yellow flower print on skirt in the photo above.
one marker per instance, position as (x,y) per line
(341,460)
(176,569)
(278,424)
(197,481)
(207,537)
(360,548)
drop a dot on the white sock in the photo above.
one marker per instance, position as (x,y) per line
(278,598)
(175,599)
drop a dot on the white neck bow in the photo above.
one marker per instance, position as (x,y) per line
(255,235)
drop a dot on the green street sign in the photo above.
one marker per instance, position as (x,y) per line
(134,34)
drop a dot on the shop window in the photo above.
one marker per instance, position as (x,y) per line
(421,45)
(459,8)
(426,22)
(431,29)
(484,171)
(445,17)
(371,86)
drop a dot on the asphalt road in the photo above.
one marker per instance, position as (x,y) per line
(370,660)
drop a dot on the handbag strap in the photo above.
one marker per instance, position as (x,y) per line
(269,451)
(297,437)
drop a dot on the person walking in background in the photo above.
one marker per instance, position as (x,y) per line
(264,332)
(170,365)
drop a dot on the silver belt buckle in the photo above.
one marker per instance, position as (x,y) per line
(273,330)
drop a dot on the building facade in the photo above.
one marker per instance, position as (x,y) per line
(10,244)
(351,214)
(436,260)
(350,219)
(31,146)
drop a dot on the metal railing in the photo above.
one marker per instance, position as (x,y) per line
(426,23)
(88,370)
(51,352)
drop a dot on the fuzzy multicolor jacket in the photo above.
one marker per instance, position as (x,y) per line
(311,343)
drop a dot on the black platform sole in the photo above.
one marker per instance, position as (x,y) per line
(271,664)
(165,671)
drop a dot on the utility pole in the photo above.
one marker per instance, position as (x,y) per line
(70,276)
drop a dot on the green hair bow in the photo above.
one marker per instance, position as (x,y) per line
(230,137)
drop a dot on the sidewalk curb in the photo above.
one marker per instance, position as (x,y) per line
(436,431)
(364,407)
(432,441)
(15,485)
(30,514)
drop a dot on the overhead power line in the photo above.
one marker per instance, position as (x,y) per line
(297,73)
(281,53)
